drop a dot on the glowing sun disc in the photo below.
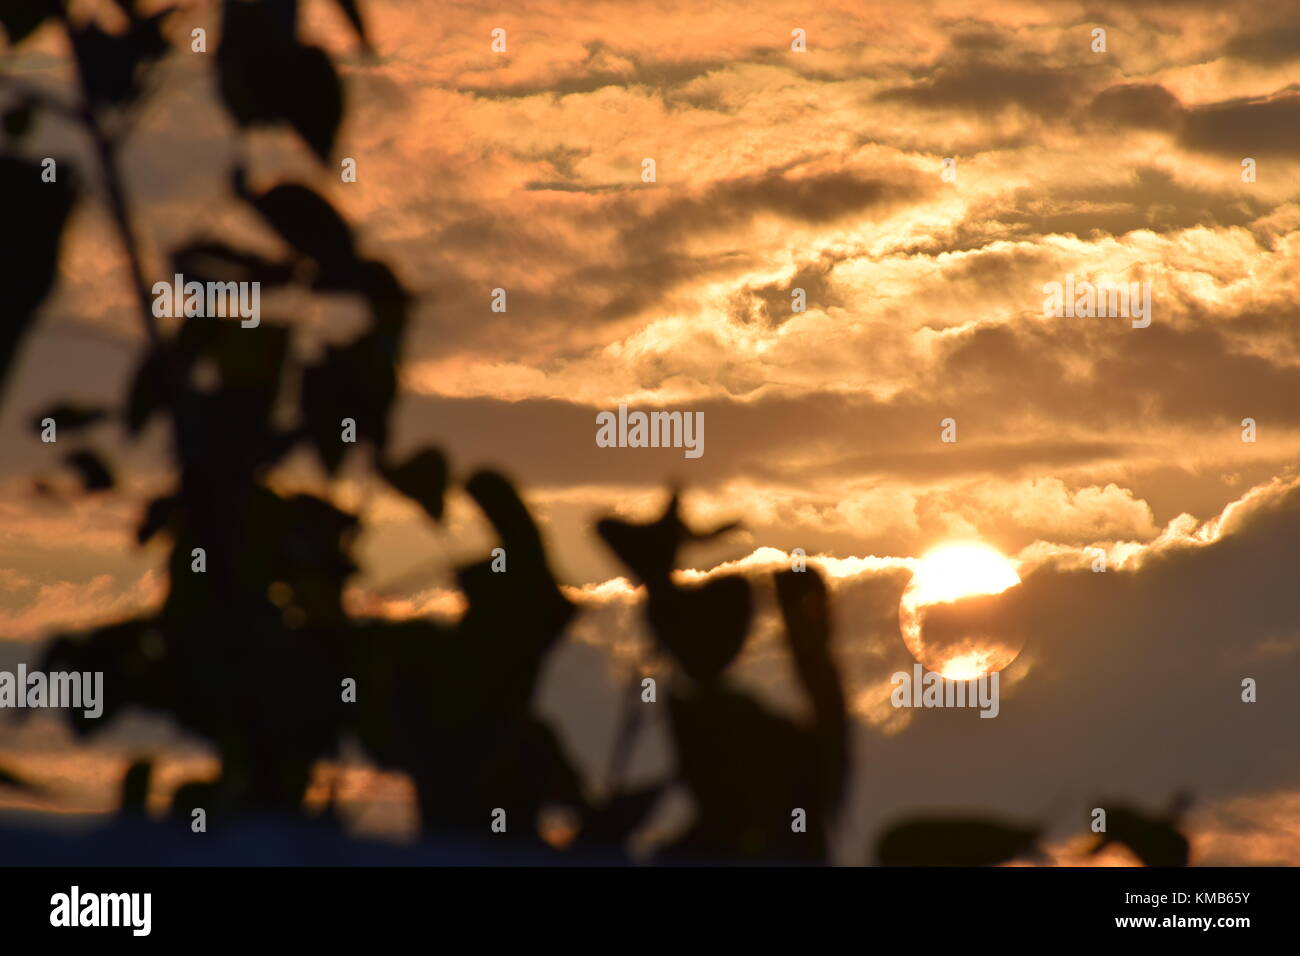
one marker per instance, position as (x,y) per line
(949,573)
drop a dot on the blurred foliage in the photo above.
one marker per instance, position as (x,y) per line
(1154,838)
(937,841)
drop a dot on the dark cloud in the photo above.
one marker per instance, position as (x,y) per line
(814,199)
(1141,105)
(1272,46)
(646,258)
(1045,91)
(1008,389)
(591,75)
(1153,199)
(1261,126)
(772,303)
(1247,126)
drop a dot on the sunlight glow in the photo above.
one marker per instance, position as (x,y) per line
(949,573)
(960,570)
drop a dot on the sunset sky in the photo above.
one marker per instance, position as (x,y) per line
(776,170)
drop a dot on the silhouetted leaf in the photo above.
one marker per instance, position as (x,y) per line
(387,296)
(148,389)
(309,224)
(284,15)
(22,17)
(1155,840)
(30,253)
(9,778)
(703,626)
(225,424)
(746,767)
(804,602)
(314,100)
(19,120)
(423,478)
(156,515)
(325,405)
(616,819)
(95,475)
(132,657)
(246,363)
(135,788)
(954,842)
(353,13)
(501,503)
(650,549)
(357,381)
(109,63)
(70,417)
(267,76)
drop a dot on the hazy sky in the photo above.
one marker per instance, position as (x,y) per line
(818,170)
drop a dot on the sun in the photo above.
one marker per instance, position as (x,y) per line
(959,570)
(948,573)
